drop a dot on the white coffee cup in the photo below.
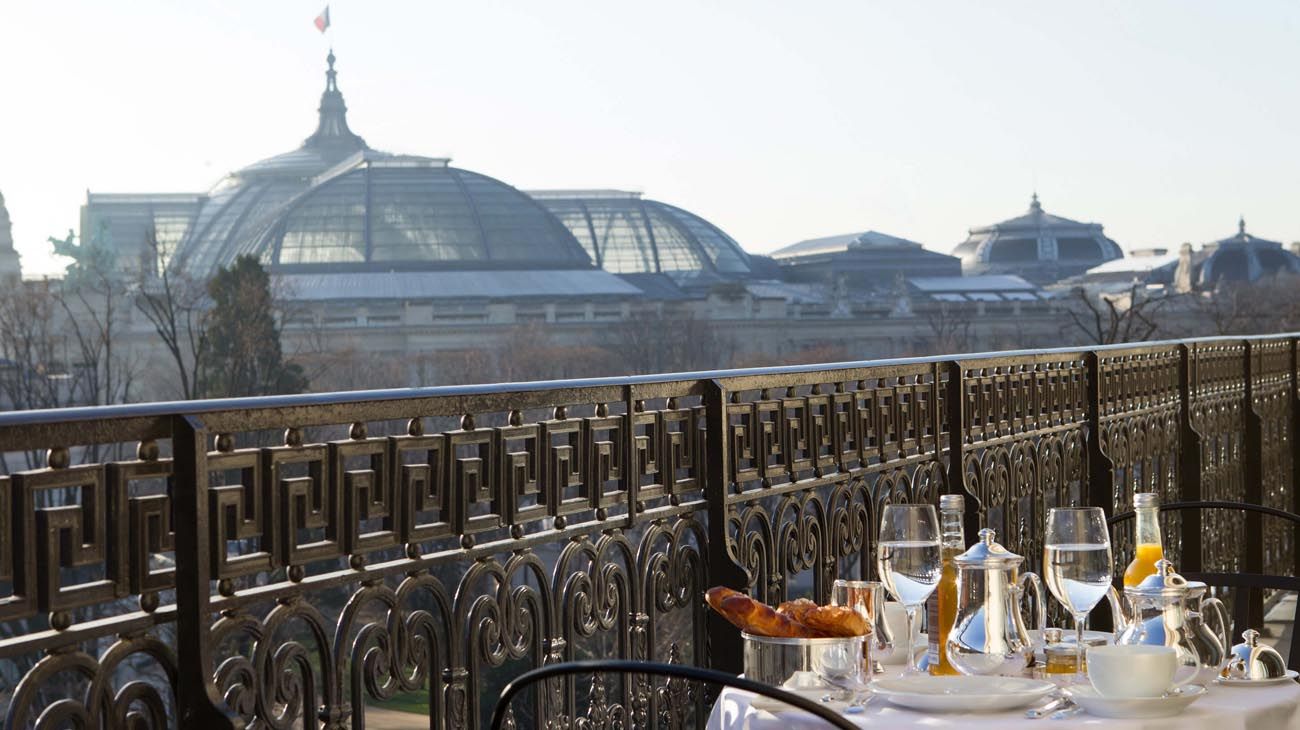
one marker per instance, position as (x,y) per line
(1130,671)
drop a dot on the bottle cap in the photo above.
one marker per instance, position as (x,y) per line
(952,502)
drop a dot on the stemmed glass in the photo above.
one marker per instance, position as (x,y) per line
(909,561)
(1077,564)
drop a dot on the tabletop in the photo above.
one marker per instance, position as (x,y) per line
(1272,707)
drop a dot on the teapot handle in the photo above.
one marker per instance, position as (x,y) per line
(1213,611)
(1040,601)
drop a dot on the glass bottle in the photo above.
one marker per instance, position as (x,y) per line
(942,610)
(1150,546)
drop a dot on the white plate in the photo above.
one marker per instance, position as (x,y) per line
(962,694)
(1290,676)
(1144,708)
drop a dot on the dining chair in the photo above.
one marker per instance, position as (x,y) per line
(502,716)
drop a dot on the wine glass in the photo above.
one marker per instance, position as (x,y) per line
(909,561)
(1077,564)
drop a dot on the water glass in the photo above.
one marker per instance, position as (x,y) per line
(867,597)
(909,560)
(1078,565)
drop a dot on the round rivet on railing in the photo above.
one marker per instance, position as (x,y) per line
(640,505)
(147,450)
(672,404)
(735,397)
(602,410)
(515,418)
(60,620)
(467,422)
(466,542)
(790,392)
(148,602)
(357,431)
(224,443)
(638,406)
(297,573)
(293,437)
(675,500)
(764,394)
(226,587)
(839,387)
(816,389)
(516,532)
(58,458)
(415,427)
(357,562)
(413,551)
(602,514)
(560,522)
(561,413)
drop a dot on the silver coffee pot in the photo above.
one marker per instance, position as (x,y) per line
(988,635)
(1157,615)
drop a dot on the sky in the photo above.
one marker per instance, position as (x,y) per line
(1164,120)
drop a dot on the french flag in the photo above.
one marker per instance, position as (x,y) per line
(323,20)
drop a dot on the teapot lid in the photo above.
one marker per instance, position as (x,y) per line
(987,553)
(1163,582)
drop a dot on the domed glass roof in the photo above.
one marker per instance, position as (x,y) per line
(627,234)
(1240,258)
(1037,245)
(336,205)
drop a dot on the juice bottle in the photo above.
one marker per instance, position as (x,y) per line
(1150,547)
(942,608)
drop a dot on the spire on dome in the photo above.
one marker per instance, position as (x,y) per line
(1241,226)
(1034,206)
(332,130)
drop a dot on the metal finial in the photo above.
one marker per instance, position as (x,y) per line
(1034,205)
(1241,226)
(330,74)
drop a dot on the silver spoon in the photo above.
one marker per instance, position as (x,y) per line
(1040,712)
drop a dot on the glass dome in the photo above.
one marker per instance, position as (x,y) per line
(626,234)
(1039,246)
(336,205)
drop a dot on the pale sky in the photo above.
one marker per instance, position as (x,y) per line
(778,121)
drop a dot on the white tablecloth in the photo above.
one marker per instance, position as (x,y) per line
(1222,708)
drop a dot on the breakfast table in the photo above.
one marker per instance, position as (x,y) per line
(1271,707)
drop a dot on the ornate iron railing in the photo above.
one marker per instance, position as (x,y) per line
(305,560)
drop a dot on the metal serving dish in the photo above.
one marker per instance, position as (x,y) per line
(775,661)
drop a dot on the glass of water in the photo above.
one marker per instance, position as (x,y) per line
(909,561)
(867,597)
(1077,565)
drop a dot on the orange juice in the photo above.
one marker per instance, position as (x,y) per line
(946,602)
(1144,563)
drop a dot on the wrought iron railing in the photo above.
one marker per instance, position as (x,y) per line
(305,560)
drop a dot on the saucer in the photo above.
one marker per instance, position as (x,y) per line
(962,693)
(1290,676)
(1137,708)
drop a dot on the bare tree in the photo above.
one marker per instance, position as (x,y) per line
(951,326)
(34,354)
(1240,308)
(666,341)
(175,305)
(1107,318)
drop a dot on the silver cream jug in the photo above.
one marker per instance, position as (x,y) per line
(988,635)
(1158,617)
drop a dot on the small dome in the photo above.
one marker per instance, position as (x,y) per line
(1038,246)
(1239,258)
(627,234)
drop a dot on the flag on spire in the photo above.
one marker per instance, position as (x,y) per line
(323,20)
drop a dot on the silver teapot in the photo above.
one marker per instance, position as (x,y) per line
(1212,643)
(988,635)
(1157,615)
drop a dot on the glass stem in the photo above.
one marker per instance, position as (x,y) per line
(911,650)
(1078,647)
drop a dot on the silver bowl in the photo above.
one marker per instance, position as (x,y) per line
(775,661)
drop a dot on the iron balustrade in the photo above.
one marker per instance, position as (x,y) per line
(296,559)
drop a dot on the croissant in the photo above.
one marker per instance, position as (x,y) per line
(754,617)
(835,621)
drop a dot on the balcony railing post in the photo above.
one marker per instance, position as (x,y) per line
(1189,459)
(955,405)
(199,700)
(1293,504)
(1253,473)
(725,650)
(1100,489)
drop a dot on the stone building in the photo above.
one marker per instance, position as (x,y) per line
(9,264)
(865,261)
